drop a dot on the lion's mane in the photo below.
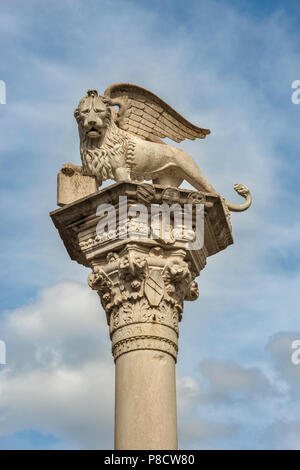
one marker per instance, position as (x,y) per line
(96,155)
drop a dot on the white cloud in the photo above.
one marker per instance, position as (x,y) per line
(60,374)
(228,381)
(204,434)
(59,380)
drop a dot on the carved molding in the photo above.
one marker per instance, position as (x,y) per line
(144,336)
(145,342)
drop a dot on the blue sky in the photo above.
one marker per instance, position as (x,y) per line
(227,66)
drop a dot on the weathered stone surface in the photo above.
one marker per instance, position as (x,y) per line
(72,186)
(77,223)
(145,401)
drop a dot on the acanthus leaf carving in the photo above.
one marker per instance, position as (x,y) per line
(139,288)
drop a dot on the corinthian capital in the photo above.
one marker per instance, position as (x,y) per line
(142,290)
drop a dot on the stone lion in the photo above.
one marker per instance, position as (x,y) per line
(126,145)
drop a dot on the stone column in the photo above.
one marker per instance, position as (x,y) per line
(142,285)
(145,401)
(142,290)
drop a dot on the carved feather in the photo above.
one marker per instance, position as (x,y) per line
(144,114)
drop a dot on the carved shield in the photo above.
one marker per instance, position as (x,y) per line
(196,198)
(170,195)
(145,192)
(154,287)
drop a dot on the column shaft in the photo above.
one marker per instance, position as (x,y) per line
(145,401)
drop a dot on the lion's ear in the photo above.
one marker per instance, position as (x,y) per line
(106,100)
(109,112)
(76,114)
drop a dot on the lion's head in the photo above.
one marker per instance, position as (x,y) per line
(100,139)
(92,115)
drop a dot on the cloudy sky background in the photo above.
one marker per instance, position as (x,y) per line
(224,65)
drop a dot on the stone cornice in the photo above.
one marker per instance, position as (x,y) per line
(76,222)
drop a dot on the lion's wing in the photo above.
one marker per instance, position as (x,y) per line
(146,115)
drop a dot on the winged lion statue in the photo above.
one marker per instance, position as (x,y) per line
(126,144)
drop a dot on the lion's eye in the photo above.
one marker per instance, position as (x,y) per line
(85,111)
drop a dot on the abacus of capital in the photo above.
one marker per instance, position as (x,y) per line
(142,281)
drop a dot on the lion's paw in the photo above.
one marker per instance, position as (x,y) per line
(69,169)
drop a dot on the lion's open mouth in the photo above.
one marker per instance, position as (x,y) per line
(93,133)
